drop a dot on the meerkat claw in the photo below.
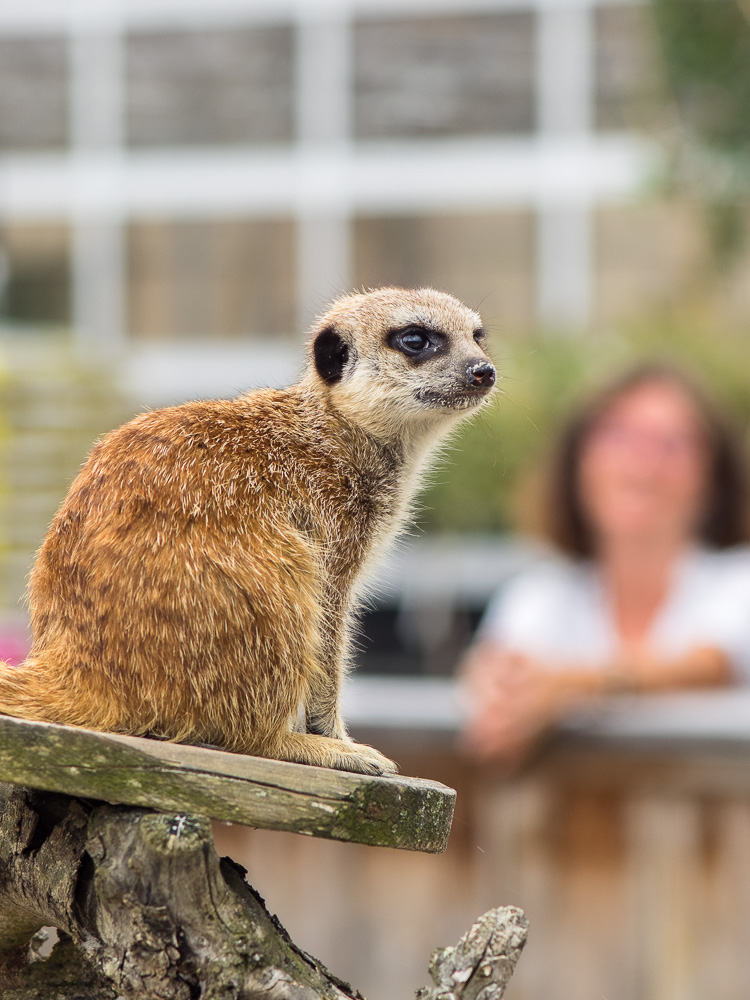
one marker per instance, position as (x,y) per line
(365,759)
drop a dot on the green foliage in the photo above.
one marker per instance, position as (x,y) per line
(475,486)
(54,403)
(706,54)
(706,46)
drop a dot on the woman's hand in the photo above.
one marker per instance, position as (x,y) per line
(514,700)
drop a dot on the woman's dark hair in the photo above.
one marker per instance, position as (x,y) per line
(725,520)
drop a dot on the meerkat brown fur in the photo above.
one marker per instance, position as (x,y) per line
(199,580)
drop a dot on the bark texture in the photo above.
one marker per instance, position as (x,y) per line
(148,911)
(148,904)
(479,967)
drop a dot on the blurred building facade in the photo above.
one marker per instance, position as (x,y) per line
(213,171)
(184,184)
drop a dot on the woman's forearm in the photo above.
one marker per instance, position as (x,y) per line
(516,698)
(703,666)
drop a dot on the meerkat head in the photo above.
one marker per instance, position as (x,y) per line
(401,363)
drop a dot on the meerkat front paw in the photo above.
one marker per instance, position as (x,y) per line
(364,759)
(322,751)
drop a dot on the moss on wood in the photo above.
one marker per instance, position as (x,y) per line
(410,813)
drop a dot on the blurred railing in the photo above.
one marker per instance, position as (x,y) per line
(427,598)
(626,840)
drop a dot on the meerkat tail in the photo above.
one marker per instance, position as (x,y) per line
(20,694)
(36,691)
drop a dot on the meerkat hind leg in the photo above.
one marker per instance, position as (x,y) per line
(322,751)
(322,715)
(322,712)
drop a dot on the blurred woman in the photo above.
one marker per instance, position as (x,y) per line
(648,493)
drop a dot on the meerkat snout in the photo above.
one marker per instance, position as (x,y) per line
(481,375)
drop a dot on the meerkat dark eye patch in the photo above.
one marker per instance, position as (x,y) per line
(480,336)
(416,342)
(331,353)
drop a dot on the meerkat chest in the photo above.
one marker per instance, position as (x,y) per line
(363,525)
(351,512)
(382,505)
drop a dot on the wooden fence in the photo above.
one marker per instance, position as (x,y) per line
(627,843)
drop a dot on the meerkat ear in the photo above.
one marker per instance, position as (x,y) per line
(331,352)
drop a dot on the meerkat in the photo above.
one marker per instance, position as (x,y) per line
(199,582)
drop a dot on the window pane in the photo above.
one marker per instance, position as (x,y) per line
(486,260)
(444,76)
(211,279)
(35,274)
(204,87)
(33,93)
(648,256)
(627,89)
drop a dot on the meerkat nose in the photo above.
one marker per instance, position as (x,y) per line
(481,374)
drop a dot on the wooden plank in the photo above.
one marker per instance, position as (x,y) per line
(667,881)
(410,813)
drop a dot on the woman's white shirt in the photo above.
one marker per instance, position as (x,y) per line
(559,612)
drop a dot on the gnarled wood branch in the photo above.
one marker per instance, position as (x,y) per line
(479,967)
(147,902)
(147,909)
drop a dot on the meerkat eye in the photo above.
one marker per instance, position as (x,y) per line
(480,336)
(415,340)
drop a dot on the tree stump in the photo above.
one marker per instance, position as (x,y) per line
(107,839)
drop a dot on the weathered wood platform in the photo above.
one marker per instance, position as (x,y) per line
(410,813)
